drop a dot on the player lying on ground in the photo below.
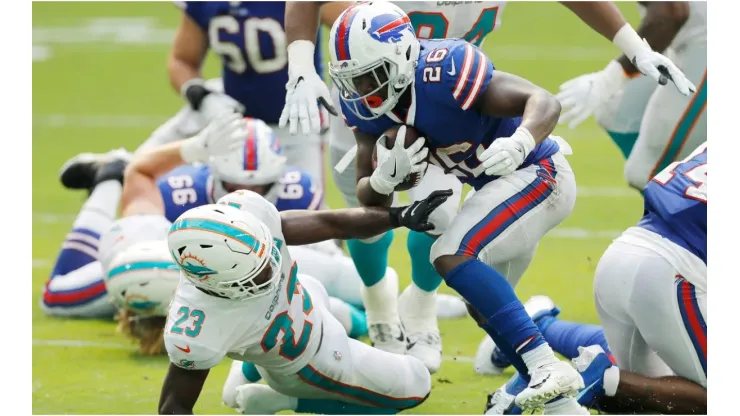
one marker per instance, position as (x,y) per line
(524,184)
(471,21)
(652,126)
(249,39)
(235,264)
(651,294)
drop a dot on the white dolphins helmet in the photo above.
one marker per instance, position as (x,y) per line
(222,250)
(143,278)
(258,162)
(374,38)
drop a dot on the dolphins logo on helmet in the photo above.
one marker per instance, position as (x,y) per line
(389,27)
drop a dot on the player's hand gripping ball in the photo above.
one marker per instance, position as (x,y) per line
(410,138)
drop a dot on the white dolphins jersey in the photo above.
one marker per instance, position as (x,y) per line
(280,331)
(469,20)
(693,30)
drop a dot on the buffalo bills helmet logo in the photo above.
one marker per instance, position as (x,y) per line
(389,27)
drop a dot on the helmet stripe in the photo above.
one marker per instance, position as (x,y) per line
(250,149)
(342,35)
(219,228)
(142,265)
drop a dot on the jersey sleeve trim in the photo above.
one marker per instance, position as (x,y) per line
(470,83)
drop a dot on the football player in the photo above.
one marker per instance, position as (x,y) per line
(651,296)
(235,263)
(652,126)
(77,285)
(249,39)
(470,21)
(524,184)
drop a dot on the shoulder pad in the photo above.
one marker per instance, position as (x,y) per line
(464,74)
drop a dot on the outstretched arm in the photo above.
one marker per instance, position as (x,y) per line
(302,227)
(181,390)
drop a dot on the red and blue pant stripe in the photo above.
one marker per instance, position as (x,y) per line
(506,213)
(693,320)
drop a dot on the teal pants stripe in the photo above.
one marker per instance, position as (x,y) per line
(313,377)
(684,128)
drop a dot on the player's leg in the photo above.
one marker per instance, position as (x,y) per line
(76,287)
(417,304)
(336,272)
(621,115)
(370,256)
(504,220)
(673,124)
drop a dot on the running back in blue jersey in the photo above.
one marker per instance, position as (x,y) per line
(450,77)
(676,203)
(296,190)
(185,187)
(250,38)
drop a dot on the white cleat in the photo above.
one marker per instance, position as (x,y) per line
(499,402)
(548,382)
(259,399)
(419,319)
(450,307)
(387,337)
(483,364)
(540,305)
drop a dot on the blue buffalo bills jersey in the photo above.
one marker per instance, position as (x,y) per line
(676,203)
(190,186)
(249,36)
(450,76)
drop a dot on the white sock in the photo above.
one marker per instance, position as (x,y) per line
(538,357)
(381,301)
(263,400)
(611,380)
(419,307)
(100,208)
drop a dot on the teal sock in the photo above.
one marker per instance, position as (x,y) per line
(625,141)
(250,372)
(335,407)
(423,273)
(371,259)
(359,322)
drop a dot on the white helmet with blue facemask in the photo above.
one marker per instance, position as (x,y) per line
(374,39)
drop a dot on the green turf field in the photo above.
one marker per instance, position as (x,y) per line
(99,82)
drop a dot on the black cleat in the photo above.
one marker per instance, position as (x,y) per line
(80,171)
(111,170)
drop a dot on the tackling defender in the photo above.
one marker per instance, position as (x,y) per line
(651,126)
(234,263)
(524,184)
(470,21)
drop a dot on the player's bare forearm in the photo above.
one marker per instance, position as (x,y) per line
(180,390)
(637,394)
(330,11)
(140,195)
(364,169)
(308,227)
(157,161)
(661,24)
(508,95)
(187,54)
(602,16)
(302,20)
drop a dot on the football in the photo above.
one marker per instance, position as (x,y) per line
(412,134)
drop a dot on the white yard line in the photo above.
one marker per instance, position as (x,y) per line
(72,343)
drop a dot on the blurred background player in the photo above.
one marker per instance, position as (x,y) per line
(414,312)
(76,287)
(249,38)
(234,261)
(652,126)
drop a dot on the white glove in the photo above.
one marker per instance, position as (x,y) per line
(226,133)
(584,94)
(304,90)
(396,163)
(505,155)
(213,103)
(651,63)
